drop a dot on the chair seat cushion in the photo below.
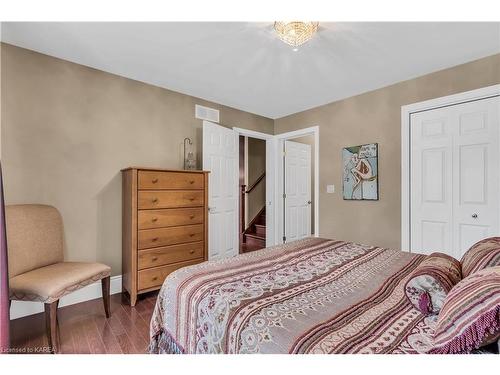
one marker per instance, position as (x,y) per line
(48,284)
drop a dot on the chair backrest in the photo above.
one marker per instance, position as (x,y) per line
(34,237)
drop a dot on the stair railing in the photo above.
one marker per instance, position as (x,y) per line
(243,192)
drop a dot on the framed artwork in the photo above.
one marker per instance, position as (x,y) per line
(360,176)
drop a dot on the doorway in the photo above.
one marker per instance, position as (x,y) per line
(297,184)
(221,157)
(252,203)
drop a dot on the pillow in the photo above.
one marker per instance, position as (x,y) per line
(485,253)
(470,317)
(431,281)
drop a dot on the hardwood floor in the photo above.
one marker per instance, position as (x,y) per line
(83,328)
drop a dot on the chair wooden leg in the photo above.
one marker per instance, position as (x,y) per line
(51,325)
(105,295)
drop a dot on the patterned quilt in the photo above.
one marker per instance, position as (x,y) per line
(309,296)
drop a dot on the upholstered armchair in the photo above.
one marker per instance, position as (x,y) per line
(37,270)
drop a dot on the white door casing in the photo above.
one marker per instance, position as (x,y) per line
(454,171)
(220,157)
(297,165)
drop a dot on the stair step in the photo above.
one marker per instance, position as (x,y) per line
(261,220)
(260,229)
(255,240)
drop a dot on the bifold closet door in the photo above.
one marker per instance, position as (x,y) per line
(430,186)
(476,172)
(454,173)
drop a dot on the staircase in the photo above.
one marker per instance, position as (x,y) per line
(254,237)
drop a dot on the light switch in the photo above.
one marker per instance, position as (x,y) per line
(330,188)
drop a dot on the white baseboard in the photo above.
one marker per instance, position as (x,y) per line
(19,309)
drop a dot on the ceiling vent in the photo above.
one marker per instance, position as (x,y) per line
(206,113)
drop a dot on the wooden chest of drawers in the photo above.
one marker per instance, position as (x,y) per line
(164,221)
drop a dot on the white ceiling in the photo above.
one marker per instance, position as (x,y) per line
(244,65)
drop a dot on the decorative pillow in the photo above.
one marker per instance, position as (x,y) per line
(470,317)
(431,281)
(485,253)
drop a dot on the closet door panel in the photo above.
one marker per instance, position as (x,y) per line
(431,174)
(476,172)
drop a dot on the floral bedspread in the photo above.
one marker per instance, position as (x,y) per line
(310,296)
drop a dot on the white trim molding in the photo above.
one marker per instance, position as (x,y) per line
(19,309)
(406,112)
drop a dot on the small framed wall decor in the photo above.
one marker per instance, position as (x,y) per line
(360,175)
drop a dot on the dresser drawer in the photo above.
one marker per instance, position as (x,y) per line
(169,217)
(169,236)
(169,199)
(170,254)
(154,277)
(152,180)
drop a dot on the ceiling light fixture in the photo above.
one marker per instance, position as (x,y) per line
(296,33)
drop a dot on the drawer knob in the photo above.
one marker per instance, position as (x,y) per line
(191,182)
(154,239)
(154,278)
(191,217)
(191,252)
(154,181)
(154,220)
(155,200)
(191,199)
(154,259)
(191,234)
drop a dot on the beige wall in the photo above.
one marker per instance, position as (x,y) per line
(68,130)
(256,199)
(376,117)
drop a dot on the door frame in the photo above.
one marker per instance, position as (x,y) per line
(279,177)
(270,178)
(406,112)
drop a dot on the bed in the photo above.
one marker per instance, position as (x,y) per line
(309,296)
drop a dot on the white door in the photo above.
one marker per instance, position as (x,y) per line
(454,176)
(220,157)
(476,172)
(297,190)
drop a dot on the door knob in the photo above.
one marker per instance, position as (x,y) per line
(309,202)
(474,216)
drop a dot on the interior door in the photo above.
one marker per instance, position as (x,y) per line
(455,176)
(220,157)
(476,172)
(297,199)
(431,176)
